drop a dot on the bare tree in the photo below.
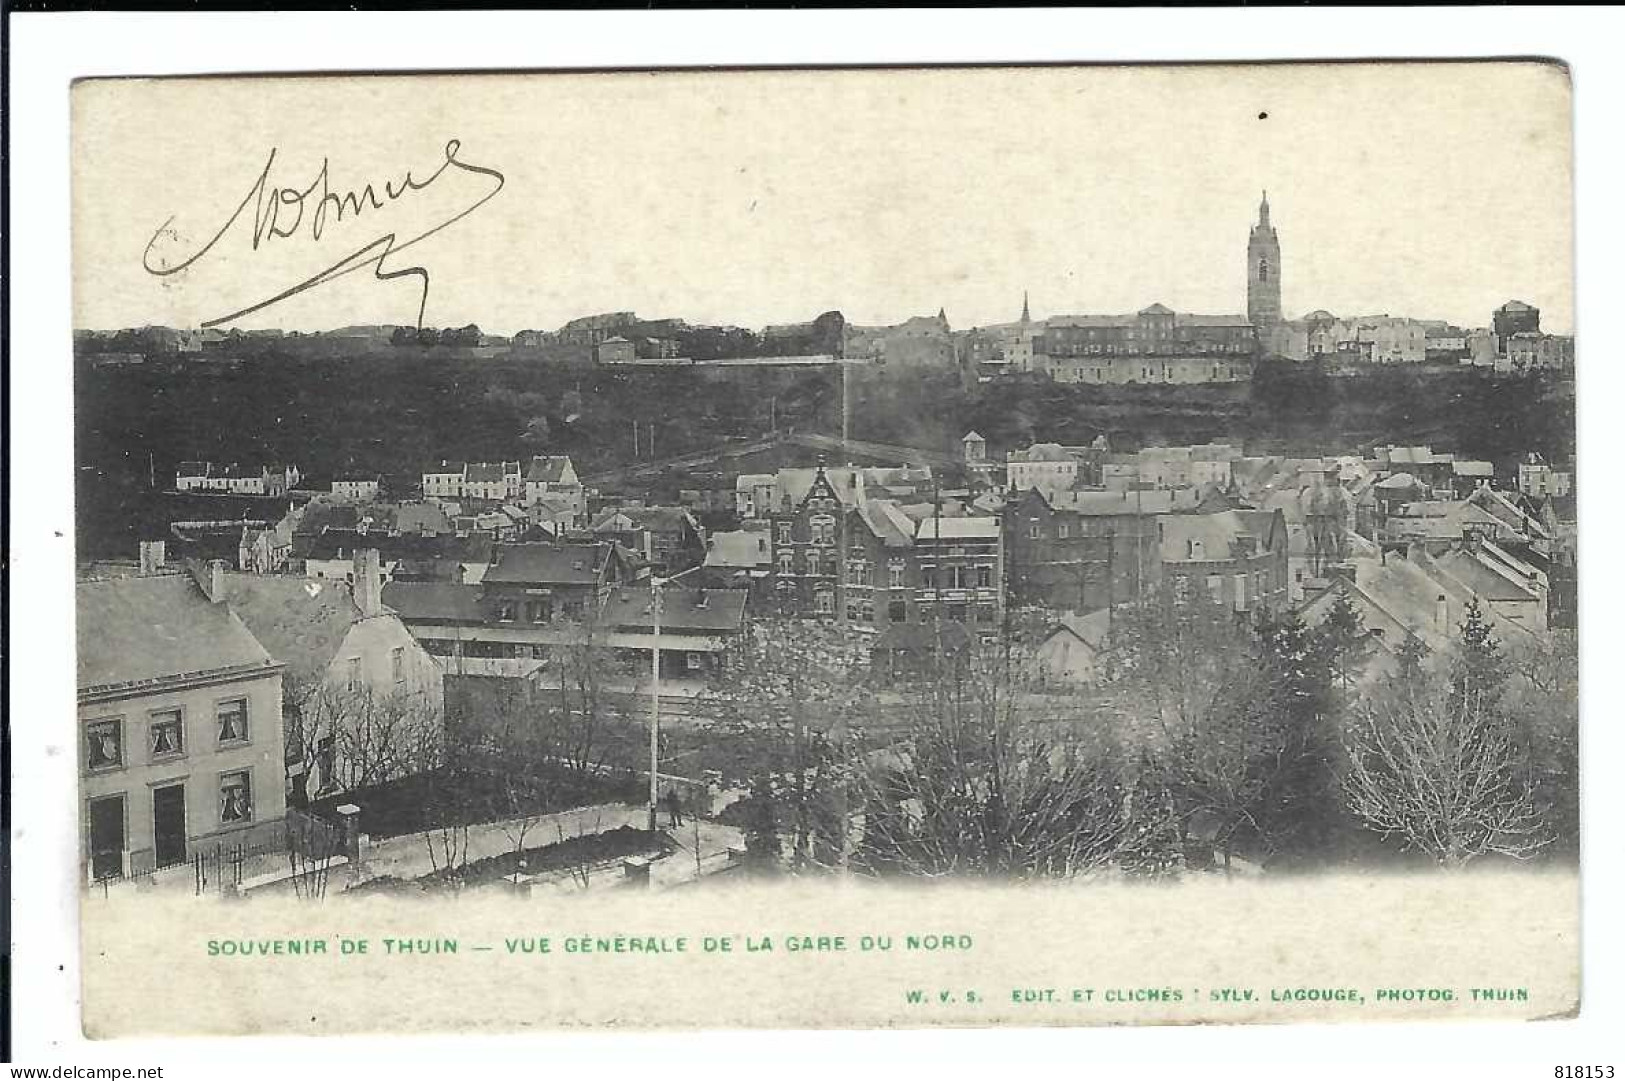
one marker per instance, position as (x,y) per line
(787,696)
(992,777)
(1542,694)
(1189,680)
(354,737)
(1442,775)
(593,730)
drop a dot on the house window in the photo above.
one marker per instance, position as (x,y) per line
(231,718)
(895,575)
(540,611)
(1034,531)
(104,744)
(824,603)
(1215,586)
(787,563)
(507,611)
(352,677)
(397,664)
(784,532)
(823,529)
(857,572)
(897,612)
(958,577)
(164,735)
(1061,530)
(236,799)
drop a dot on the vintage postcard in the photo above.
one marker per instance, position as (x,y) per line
(826,548)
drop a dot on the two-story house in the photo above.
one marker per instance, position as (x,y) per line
(180,725)
(1237,558)
(1078,551)
(362,700)
(554,475)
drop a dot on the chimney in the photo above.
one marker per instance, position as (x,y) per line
(1442,612)
(152,556)
(212,580)
(367,592)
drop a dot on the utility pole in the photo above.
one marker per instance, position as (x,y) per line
(846,405)
(1111,581)
(654,707)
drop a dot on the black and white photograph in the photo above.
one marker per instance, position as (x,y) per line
(570,549)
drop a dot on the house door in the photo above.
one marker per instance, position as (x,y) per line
(107,837)
(169,824)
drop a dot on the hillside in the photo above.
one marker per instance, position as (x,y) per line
(393,413)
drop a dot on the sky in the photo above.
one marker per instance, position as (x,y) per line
(1429,190)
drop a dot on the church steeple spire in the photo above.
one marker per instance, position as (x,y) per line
(1026,314)
(1263,270)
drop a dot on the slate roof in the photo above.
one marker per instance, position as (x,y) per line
(343,543)
(887,521)
(653,519)
(485,473)
(1214,532)
(422,518)
(701,610)
(147,629)
(1091,502)
(740,548)
(433,602)
(547,564)
(1397,595)
(301,622)
(547,469)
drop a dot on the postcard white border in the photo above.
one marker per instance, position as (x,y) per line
(47,51)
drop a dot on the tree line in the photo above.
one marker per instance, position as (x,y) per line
(1205,742)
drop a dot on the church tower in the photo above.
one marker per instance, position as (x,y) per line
(1263,271)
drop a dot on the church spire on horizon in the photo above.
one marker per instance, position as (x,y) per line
(1026,313)
(1263,270)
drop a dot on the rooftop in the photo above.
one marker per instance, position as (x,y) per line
(740,548)
(300,622)
(428,602)
(709,610)
(133,631)
(958,529)
(557,564)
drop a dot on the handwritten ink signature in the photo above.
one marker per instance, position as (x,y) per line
(280,213)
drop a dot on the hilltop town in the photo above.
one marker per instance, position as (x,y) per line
(577,600)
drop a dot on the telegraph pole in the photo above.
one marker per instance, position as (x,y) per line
(654,707)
